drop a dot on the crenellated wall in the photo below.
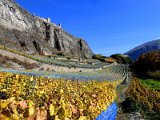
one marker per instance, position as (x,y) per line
(22,31)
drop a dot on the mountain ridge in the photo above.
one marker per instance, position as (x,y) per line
(143,48)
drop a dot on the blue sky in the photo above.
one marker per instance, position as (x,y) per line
(109,26)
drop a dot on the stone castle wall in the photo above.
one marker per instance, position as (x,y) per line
(21,30)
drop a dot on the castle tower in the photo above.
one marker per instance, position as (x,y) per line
(59,25)
(48,20)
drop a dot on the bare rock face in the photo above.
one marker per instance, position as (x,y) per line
(33,35)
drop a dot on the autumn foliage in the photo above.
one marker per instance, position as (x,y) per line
(147,64)
(40,98)
(148,98)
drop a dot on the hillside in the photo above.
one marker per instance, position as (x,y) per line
(53,93)
(24,32)
(13,59)
(146,47)
(48,74)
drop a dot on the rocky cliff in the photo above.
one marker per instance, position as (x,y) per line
(22,31)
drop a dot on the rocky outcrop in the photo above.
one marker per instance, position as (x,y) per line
(34,35)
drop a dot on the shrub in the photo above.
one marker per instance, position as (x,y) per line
(60,54)
(3,61)
(99,57)
(147,63)
(68,58)
(155,74)
(30,66)
(121,59)
(110,60)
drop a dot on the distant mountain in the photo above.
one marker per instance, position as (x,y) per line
(146,47)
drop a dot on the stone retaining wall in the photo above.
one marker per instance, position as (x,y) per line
(45,66)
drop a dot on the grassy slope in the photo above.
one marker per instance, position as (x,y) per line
(151,83)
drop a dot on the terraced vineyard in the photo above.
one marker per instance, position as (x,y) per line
(63,96)
(112,72)
(60,60)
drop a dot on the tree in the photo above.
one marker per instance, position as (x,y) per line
(121,59)
(147,63)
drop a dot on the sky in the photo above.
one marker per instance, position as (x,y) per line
(108,26)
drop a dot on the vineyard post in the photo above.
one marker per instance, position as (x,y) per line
(126,67)
(127,73)
(127,80)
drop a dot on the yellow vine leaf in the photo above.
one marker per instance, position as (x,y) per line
(56,118)
(31,79)
(15,117)
(83,118)
(31,111)
(4,104)
(3,117)
(51,110)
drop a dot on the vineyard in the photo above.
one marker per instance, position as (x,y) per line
(67,96)
(145,99)
(46,73)
(59,60)
(112,72)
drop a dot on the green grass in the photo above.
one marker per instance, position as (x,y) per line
(151,83)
